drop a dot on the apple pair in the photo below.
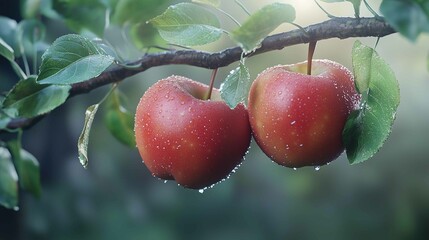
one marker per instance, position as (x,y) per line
(296,119)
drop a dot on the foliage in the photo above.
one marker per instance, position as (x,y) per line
(74,59)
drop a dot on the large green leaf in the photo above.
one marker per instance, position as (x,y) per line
(409,17)
(356,4)
(119,120)
(188,24)
(27,167)
(368,128)
(82,143)
(8,181)
(235,88)
(32,99)
(250,35)
(72,59)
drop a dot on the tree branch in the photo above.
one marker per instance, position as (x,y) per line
(334,28)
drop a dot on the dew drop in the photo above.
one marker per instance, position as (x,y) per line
(201,190)
(165,181)
(317,168)
(294,168)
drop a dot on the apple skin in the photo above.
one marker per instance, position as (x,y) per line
(184,138)
(298,119)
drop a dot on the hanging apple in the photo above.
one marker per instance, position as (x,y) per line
(297,119)
(183,136)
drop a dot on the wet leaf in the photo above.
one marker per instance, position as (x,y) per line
(188,24)
(8,180)
(72,59)
(236,86)
(82,144)
(31,99)
(367,129)
(250,35)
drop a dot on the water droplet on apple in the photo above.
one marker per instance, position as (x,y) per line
(279,93)
(293,122)
(301,145)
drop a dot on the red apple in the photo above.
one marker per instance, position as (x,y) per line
(298,119)
(183,137)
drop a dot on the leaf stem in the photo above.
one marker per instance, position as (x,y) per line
(229,16)
(114,86)
(311,49)
(371,9)
(326,12)
(212,80)
(243,7)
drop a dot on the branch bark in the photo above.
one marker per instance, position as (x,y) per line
(334,28)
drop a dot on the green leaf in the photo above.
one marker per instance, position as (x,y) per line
(82,143)
(409,17)
(236,86)
(367,129)
(138,11)
(8,32)
(8,181)
(188,24)
(72,59)
(6,50)
(82,15)
(32,99)
(4,120)
(119,120)
(213,3)
(27,167)
(356,4)
(30,8)
(145,35)
(29,32)
(250,35)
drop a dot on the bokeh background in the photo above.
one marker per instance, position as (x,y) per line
(386,197)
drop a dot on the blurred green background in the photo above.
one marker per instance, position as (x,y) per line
(386,197)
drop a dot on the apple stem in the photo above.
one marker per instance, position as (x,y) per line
(311,49)
(212,80)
